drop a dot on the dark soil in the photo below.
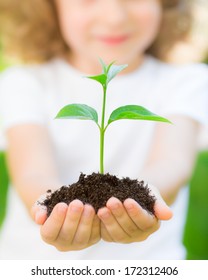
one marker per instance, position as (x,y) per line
(96,189)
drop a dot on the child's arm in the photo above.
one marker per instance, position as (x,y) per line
(168,168)
(30,161)
(172,156)
(33,171)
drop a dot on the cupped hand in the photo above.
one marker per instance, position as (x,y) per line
(128,222)
(76,226)
(69,227)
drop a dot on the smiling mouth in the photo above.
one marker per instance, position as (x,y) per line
(113,40)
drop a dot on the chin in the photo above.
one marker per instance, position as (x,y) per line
(114,56)
(132,61)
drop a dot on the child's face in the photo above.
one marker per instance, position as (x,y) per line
(118,30)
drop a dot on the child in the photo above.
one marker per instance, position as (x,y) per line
(68,37)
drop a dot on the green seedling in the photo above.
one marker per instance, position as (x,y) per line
(85,112)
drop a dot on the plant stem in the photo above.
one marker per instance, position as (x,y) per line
(102,131)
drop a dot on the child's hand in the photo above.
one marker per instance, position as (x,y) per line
(129,222)
(68,228)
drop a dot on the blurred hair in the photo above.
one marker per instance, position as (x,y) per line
(29,30)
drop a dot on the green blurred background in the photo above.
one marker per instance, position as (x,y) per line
(194,48)
(4,178)
(196,227)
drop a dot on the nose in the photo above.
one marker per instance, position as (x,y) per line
(114,12)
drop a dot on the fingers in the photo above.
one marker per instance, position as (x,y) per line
(72,227)
(162,211)
(130,215)
(121,215)
(96,231)
(71,222)
(84,228)
(104,233)
(52,226)
(127,222)
(38,211)
(40,216)
(142,219)
(79,232)
(112,226)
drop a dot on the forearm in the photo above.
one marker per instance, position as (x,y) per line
(31,162)
(31,187)
(171,157)
(168,177)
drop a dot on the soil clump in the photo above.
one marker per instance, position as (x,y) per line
(96,189)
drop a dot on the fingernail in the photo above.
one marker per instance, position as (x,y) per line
(39,215)
(87,212)
(115,206)
(62,208)
(105,214)
(75,207)
(130,206)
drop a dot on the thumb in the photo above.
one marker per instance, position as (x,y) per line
(162,210)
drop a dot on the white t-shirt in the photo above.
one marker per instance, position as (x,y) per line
(34,94)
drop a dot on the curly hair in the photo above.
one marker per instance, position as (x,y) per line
(30,30)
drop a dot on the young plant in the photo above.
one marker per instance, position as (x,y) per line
(84,112)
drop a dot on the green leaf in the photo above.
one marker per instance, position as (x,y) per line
(134,112)
(102,78)
(104,66)
(78,111)
(109,72)
(109,66)
(113,70)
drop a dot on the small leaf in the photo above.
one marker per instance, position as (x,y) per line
(78,111)
(109,66)
(102,78)
(104,66)
(109,72)
(113,70)
(134,112)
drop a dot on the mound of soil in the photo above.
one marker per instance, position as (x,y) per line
(96,189)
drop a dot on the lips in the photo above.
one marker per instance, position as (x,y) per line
(113,40)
